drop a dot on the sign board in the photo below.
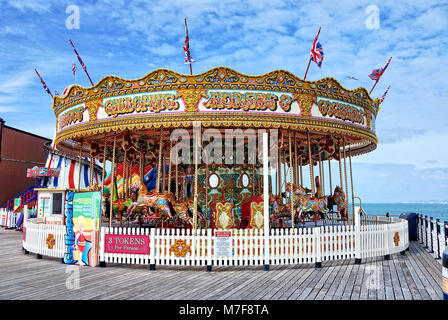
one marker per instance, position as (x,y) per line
(129,244)
(223,243)
(44,208)
(86,225)
(42,172)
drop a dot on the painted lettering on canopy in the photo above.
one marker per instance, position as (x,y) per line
(71,116)
(153,103)
(341,111)
(247,101)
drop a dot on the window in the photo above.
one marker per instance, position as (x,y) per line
(57,203)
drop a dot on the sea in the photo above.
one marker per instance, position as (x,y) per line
(434,210)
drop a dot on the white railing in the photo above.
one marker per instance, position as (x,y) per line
(44,239)
(432,234)
(285,246)
(8,219)
(247,247)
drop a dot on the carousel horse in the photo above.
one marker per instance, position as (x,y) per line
(157,202)
(307,204)
(185,211)
(93,187)
(339,200)
(278,211)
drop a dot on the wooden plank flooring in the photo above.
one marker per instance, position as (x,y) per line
(414,276)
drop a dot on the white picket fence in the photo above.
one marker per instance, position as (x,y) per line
(248,247)
(8,219)
(285,246)
(44,239)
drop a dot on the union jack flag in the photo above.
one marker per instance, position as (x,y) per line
(317,53)
(384,95)
(43,83)
(74,68)
(188,57)
(56,93)
(377,73)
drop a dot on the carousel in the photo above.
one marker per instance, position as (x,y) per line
(218,168)
(203,132)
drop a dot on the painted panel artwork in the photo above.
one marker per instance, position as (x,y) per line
(83,247)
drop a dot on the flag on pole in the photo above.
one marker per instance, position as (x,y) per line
(79,58)
(188,57)
(74,68)
(56,93)
(43,83)
(317,53)
(81,62)
(377,73)
(384,95)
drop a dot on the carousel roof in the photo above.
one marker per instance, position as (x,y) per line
(220,97)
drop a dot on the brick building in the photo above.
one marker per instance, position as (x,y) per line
(19,150)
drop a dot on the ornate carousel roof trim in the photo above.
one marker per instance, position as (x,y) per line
(219,77)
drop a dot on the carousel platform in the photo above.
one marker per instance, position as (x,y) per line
(413,276)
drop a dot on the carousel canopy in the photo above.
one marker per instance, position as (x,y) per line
(219,98)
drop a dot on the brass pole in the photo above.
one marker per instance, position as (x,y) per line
(279,169)
(169,168)
(112,184)
(291,171)
(141,168)
(177,177)
(346,185)
(311,164)
(79,173)
(159,163)
(102,173)
(91,169)
(123,184)
(340,169)
(351,184)
(296,177)
(329,174)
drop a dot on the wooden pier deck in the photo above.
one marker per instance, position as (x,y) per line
(414,276)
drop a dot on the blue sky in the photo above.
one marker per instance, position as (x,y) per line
(131,38)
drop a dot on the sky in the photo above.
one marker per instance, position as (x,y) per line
(129,39)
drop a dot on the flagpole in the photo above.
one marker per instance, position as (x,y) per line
(387,64)
(85,69)
(374,86)
(48,91)
(186,29)
(309,60)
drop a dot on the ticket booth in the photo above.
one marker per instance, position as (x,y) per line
(50,205)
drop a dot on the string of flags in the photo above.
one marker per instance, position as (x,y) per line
(384,95)
(43,83)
